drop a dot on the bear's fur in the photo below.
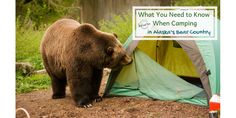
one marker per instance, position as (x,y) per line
(76,54)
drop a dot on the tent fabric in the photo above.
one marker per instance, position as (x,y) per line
(157,82)
(148,79)
(207,51)
(150,76)
(173,58)
(192,50)
(210,51)
(216,45)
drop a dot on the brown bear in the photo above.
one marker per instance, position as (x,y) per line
(76,54)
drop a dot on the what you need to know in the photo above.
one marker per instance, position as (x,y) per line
(177,23)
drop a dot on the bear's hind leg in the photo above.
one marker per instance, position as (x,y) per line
(58,84)
(58,88)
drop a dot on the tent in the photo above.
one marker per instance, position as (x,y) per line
(159,67)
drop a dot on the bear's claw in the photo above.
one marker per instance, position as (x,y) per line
(87,105)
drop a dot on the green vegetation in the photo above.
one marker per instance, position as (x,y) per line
(27,50)
(32,19)
(119,24)
(30,83)
(36,13)
(27,47)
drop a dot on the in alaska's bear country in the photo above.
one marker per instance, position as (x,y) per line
(76,54)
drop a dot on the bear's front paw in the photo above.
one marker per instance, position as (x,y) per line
(84,103)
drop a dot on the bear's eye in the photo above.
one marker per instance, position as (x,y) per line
(109,50)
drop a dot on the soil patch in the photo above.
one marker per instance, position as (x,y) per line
(40,105)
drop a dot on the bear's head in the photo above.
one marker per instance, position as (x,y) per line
(115,53)
(109,52)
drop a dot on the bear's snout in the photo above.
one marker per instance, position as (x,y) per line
(126,60)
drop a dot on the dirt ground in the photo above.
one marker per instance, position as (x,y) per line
(40,105)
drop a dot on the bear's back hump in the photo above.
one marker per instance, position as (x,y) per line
(64,26)
(60,30)
(57,35)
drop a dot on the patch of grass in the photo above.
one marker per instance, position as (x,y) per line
(27,50)
(27,46)
(32,83)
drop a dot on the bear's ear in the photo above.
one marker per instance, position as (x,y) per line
(86,28)
(115,35)
(109,50)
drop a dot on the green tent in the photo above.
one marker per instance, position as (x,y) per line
(159,66)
